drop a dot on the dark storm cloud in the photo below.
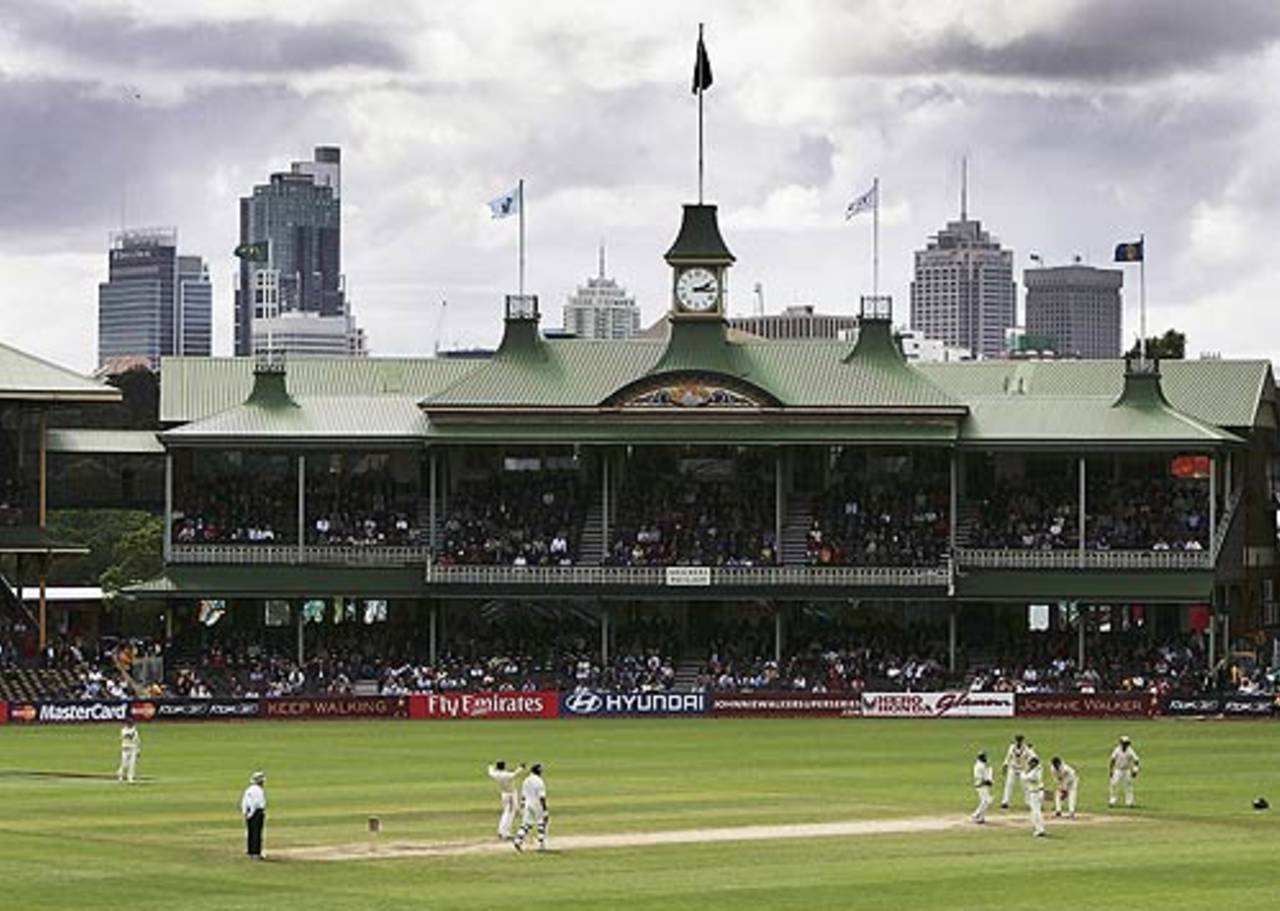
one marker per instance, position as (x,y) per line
(1104,39)
(245,46)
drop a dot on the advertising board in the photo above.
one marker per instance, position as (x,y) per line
(537,704)
(780,705)
(337,707)
(1232,705)
(68,712)
(951,704)
(1087,705)
(595,704)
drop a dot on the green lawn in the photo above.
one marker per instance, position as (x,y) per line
(174,841)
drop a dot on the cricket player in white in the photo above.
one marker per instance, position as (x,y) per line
(1033,784)
(982,784)
(1015,766)
(1124,769)
(1066,784)
(130,747)
(506,780)
(533,792)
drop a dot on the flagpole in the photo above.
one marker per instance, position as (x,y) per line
(875,238)
(700,161)
(1142,295)
(520,193)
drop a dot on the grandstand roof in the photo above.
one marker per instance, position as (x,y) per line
(27,378)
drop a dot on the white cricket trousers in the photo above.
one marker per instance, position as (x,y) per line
(1071,800)
(984,802)
(1011,775)
(510,803)
(128,762)
(1121,778)
(1034,804)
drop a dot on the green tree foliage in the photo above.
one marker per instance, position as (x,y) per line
(1170,346)
(125,547)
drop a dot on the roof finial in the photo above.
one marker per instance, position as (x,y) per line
(964,187)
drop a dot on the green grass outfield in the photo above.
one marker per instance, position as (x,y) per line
(174,841)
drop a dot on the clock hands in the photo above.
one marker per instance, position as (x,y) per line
(709,286)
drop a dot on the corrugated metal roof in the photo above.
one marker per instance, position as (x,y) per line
(1221,392)
(1077,421)
(192,388)
(104,441)
(25,377)
(249,581)
(315,418)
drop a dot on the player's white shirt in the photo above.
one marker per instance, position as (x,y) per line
(506,779)
(1124,760)
(1017,757)
(254,799)
(1033,781)
(534,790)
(130,739)
(981,774)
(1065,776)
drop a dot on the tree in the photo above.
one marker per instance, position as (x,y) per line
(136,556)
(125,546)
(1170,346)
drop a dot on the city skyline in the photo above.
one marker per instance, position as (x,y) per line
(1079,135)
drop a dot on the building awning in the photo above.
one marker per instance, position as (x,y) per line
(281,582)
(107,442)
(30,539)
(69,594)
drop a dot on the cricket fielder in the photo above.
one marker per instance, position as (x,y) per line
(1066,784)
(506,780)
(1033,785)
(1015,766)
(534,794)
(253,806)
(982,784)
(130,747)
(1124,769)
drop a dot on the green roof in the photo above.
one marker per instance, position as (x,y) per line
(311,418)
(31,539)
(282,581)
(139,442)
(1225,393)
(192,388)
(27,378)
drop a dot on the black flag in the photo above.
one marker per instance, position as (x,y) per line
(1130,252)
(701,68)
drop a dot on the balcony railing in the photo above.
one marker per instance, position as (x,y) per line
(692,576)
(1090,559)
(311,554)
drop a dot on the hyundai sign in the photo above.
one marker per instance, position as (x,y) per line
(594,704)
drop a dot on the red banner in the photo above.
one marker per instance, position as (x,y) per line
(538,704)
(337,707)
(778,705)
(4,712)
(1094,705)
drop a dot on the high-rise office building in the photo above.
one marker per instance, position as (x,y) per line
(295,219)
(796,321)
(963,291)
(1076,306)
(601,309)
(154,302)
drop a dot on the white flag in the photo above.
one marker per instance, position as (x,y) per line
(861,203)
(506,204)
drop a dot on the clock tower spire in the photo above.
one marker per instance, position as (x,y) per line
(699,260)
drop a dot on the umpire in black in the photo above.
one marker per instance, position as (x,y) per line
(254,807)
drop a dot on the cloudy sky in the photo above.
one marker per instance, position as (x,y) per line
(1085,123)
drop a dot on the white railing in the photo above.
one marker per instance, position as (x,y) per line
(312,554)
(723,576)
(1090,559)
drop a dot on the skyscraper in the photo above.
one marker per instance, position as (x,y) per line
(601,309)
(1077,306)
(154,302)
(963,291)
(297,218)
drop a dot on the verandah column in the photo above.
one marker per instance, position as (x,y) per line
(951,639)
(606,458)
(302,509)
(604,636)
(1081,471)
(168,505)
(1213,505)
(777,506)
(432,543)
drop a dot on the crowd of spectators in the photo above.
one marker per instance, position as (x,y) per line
(1149,514)
(237,508)
(360,509)
(1028,514)
(879,524)
(720,517)
(516,519)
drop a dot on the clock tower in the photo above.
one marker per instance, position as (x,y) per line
(699,263)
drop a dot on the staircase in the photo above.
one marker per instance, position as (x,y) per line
(795,530)
(591,542)
(967,515)
(687,671)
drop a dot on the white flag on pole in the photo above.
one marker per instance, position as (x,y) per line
(863,203)
(506,204)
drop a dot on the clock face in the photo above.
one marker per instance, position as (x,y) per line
(697,290)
